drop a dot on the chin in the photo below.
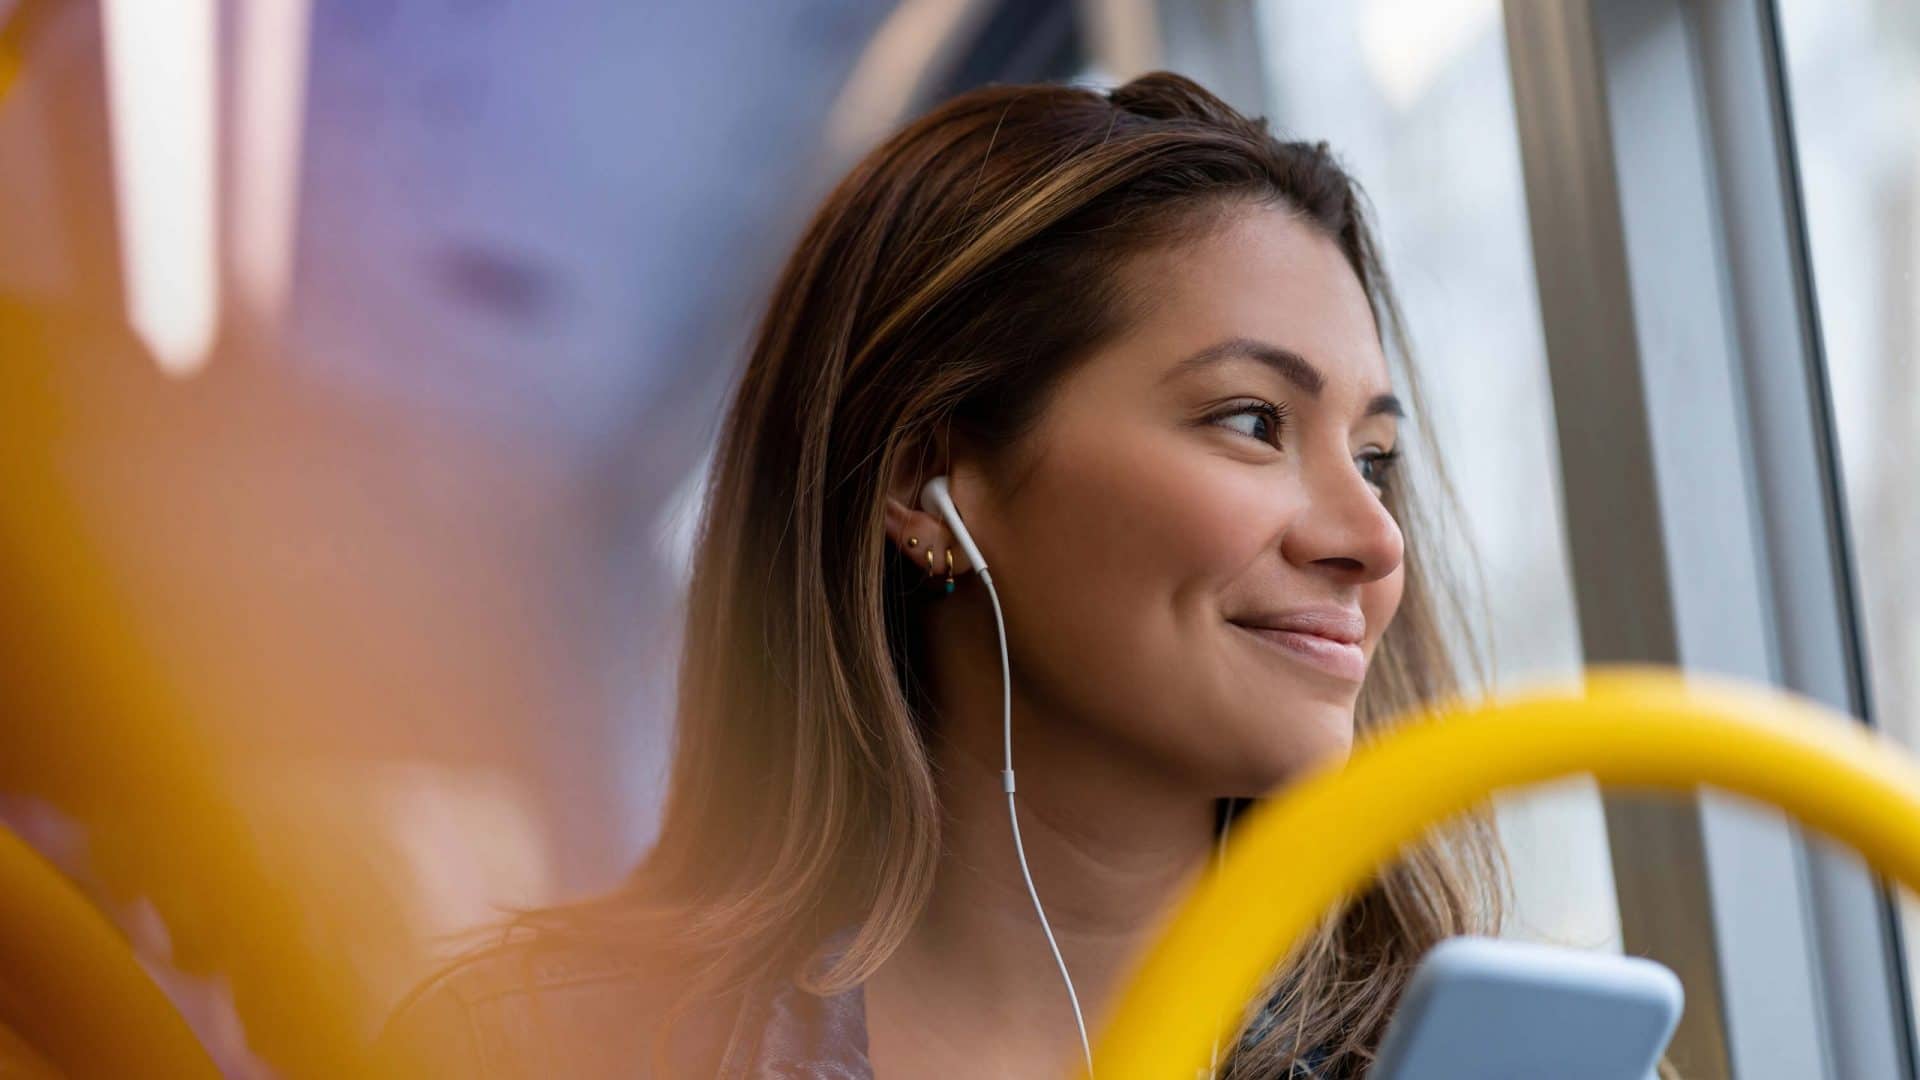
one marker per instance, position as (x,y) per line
(1321,739)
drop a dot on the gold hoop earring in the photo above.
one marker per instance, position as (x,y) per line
(949,569)
(930,569)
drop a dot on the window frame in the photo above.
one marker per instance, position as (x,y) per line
(1696,433)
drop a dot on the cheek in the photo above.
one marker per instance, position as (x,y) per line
(1379,602)
(1115,561)
(1148,530)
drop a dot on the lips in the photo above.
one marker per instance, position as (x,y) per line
(1325,639)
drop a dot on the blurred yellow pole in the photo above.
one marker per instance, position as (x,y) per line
(1300,854)
(20,1061)
(56,953)
(97,728)
(12,50)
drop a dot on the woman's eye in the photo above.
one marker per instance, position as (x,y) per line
(1258,420)
(1376,467)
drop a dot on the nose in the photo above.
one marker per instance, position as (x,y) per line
(1343,529)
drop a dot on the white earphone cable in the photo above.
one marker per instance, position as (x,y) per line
(1006,776)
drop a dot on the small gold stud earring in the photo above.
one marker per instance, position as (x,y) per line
(913,541)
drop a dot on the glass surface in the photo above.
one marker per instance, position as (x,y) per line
(1853,76)
(1414,97)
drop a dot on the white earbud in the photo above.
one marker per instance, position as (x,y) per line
(935,499)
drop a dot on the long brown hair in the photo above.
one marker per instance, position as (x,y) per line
(947,283)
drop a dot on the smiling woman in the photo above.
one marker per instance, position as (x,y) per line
(1148,345)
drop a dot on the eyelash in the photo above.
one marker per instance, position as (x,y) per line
(1383,461)
(1276,415)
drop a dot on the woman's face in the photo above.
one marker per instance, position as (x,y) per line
(1195,560)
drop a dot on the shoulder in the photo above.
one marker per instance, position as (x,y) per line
(546,1008)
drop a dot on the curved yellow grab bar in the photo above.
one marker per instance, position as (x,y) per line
(62,963)
(1299,854)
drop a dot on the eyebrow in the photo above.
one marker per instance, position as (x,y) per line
(1295,368)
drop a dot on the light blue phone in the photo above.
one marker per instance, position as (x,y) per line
(1488,1009)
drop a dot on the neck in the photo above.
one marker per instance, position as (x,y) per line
(1109,842)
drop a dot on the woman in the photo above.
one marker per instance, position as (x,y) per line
(1146,342)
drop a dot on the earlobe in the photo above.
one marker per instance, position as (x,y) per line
(926,542)
(913,532)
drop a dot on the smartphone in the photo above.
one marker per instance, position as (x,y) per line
(1482,1008)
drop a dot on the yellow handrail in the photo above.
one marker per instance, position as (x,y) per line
(13,32)
(1299,854)
(60,961)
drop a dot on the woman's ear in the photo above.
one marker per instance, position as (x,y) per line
(915,531)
